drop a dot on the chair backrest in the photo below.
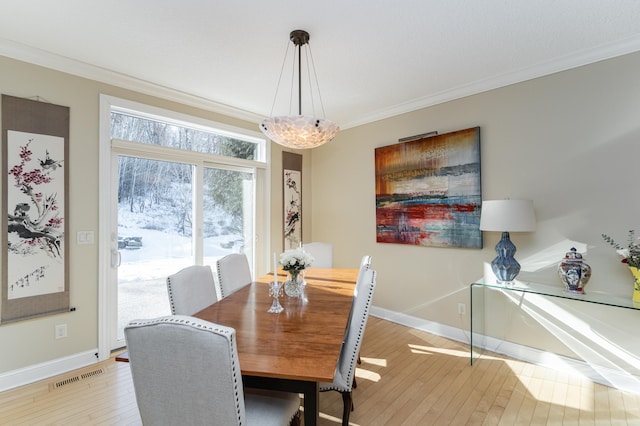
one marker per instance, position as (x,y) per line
(322,254)
(185,372)
(365,264)
(359,315)
(233,273)
(191,289)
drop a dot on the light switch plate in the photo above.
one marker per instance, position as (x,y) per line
(84,237)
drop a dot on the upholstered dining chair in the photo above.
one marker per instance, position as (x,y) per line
(345,372)
(322,254)
(186,372)
(233,273)
(365,264)
(191,289)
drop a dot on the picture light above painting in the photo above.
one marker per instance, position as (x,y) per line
(428,191)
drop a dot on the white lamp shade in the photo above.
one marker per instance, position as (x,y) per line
(507,216)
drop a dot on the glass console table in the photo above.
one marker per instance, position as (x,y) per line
(477,302)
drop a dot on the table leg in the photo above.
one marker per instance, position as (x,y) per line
(310,390)
(311,394)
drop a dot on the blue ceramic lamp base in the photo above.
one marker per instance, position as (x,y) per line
(505,266)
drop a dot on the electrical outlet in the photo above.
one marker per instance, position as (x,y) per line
(462,309)
(61,331)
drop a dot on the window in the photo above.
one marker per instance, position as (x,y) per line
(182,191)
(184,136)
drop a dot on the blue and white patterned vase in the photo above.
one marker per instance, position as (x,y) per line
(574,272)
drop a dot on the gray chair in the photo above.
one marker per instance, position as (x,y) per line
(345,372)
(186,372)
(322,254)
(233,273)
(191,290)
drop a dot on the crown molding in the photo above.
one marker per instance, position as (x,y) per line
(46,59)
(559,64)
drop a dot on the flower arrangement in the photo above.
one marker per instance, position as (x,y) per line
(295,259)
(631,254)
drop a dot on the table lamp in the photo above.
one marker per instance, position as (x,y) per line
(507,216)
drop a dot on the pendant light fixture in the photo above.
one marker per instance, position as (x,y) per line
(300,131)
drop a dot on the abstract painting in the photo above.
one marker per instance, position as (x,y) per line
(428,191)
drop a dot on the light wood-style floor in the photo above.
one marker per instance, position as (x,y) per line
(407,377)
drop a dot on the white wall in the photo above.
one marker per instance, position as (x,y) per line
(570,142)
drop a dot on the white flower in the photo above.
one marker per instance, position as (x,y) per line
(623,252)
(296,259)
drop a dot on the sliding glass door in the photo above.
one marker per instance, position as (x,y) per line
(179,196)
(155,238)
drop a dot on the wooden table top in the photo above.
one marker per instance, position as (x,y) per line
(303,342)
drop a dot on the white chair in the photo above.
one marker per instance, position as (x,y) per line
(191,289)
(365,264)
(233,273)
(322,254)
(186,372)
(345,371)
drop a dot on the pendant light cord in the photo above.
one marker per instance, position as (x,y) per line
(298,41)
(284,61)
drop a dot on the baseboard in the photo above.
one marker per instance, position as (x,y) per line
(603,375)
(23,376)
(598,374)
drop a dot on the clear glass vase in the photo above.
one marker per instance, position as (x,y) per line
(294,284)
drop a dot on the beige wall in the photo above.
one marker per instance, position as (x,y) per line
(31,342)
(568,141)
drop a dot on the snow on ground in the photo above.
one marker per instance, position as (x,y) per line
(142,288)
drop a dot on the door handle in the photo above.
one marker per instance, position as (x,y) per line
(116,258)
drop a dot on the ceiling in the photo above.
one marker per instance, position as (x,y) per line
(374,59)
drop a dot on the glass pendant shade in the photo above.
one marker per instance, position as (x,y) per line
(299,131)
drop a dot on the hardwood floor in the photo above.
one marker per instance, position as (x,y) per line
(407,377)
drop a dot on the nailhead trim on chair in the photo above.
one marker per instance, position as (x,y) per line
(354,356)
(222,295)
(171,301)
(204,325)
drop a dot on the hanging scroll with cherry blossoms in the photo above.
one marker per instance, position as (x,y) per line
(35,198)
(292,197)
(35,260)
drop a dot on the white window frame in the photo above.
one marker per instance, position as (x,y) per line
(108,178)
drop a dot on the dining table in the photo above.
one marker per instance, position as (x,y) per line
(294,350)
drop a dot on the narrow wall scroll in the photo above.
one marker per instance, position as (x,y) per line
(292,198)
(35,138)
